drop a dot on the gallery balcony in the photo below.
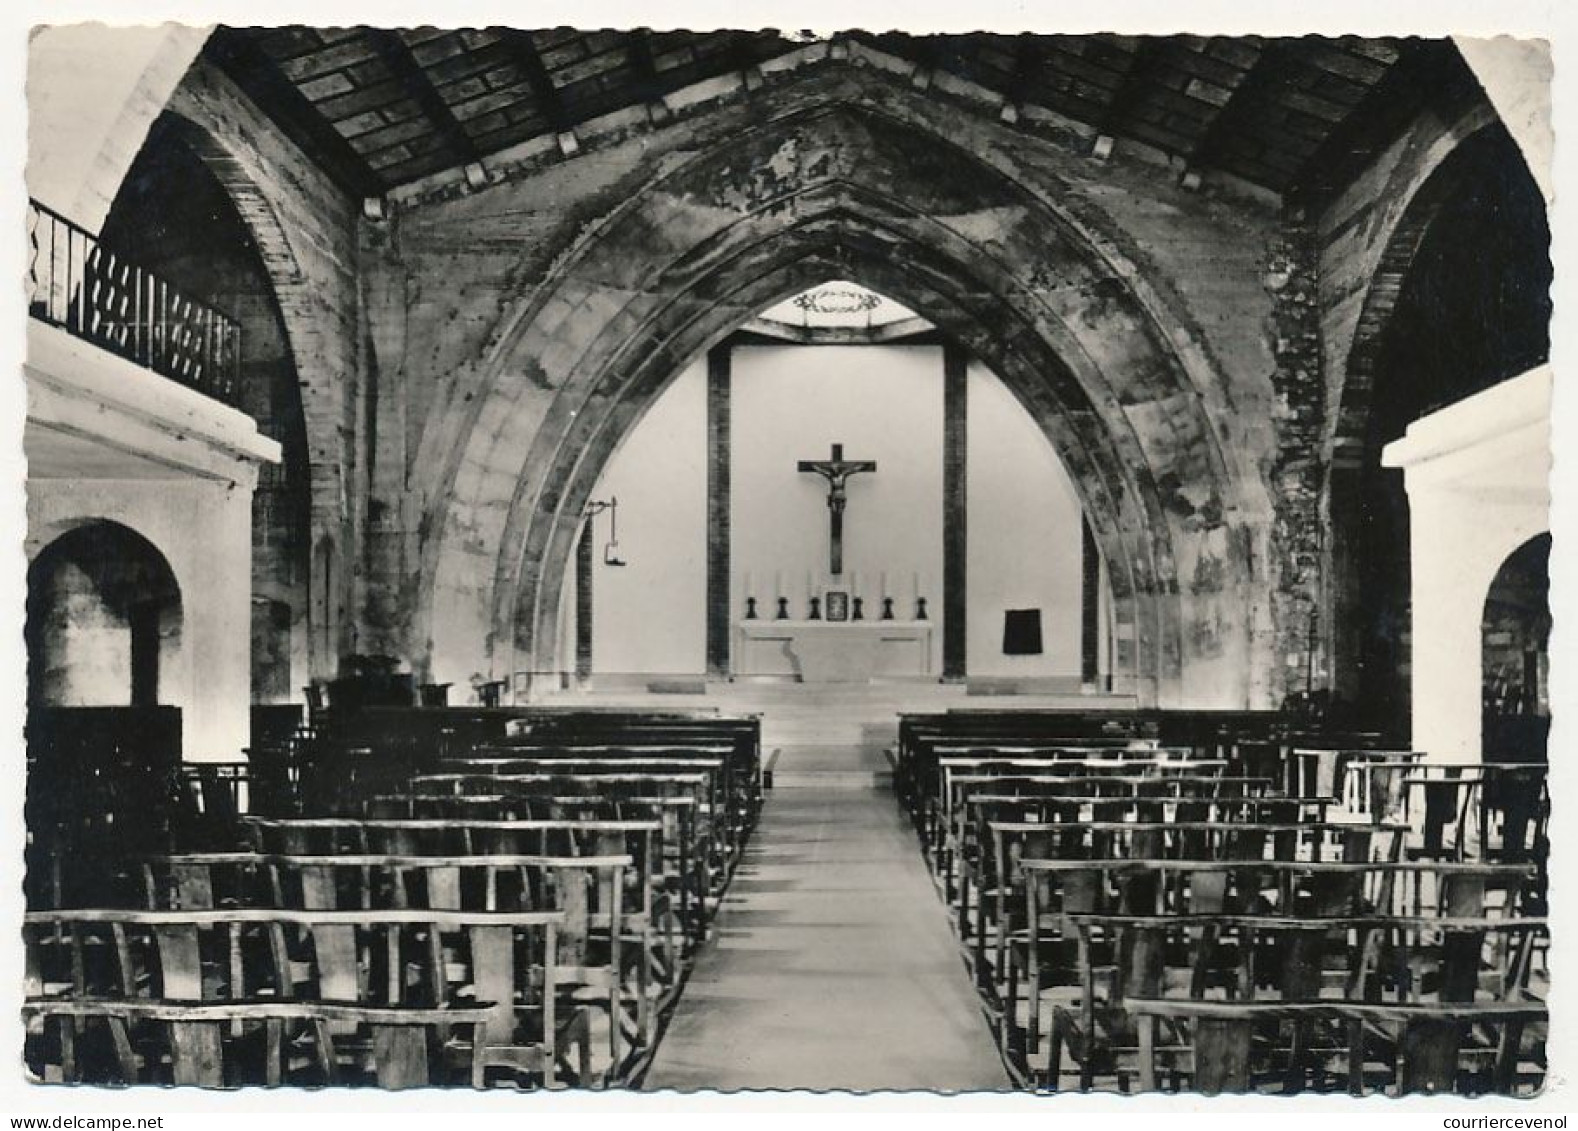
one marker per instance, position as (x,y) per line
(95,294)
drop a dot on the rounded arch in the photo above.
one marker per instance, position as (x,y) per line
(848,191)
(104,617)
(1515,631)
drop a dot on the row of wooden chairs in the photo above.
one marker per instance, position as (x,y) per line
(559,904)
(680,857)
(992,882)
(1259,915)
(1092,965)
(503,965)
(240,1044)
(1253,743)
(692,793)
(608,942)
(738,776)
(1113,796)
(687,798)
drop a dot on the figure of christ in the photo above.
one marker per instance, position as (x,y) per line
(836,470)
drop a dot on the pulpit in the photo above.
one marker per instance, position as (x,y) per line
(819,651)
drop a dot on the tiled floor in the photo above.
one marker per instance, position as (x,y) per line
(833,965)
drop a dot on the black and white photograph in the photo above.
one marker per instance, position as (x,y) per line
(633,558)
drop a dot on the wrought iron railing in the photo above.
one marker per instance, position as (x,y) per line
(94,293)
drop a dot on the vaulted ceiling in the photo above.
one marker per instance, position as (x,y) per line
(382,108)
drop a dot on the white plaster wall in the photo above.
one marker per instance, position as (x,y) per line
(790,403)
(1025,536)
(650,616)
(882,403)
(204,530)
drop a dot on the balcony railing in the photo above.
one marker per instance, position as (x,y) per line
(94,293)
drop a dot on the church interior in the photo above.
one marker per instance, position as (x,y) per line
(716,560)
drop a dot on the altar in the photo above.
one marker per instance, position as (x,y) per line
(819,651)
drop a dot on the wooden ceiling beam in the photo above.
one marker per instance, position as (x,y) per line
(524,52)
(238,54)
(742,59)
(396,55)
(1132,89)
(1426,70)
(1018,90)
(648,85)
(1259,81)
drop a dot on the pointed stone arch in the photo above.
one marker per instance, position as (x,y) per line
(848,190)
(303,228)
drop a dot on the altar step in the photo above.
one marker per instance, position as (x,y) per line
(824,766)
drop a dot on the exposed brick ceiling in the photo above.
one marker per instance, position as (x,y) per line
(380,108)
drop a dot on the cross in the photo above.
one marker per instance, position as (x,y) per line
(837,471)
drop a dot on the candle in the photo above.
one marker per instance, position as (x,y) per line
(915,581)
(778,583)
(749,592)
(883,582)
(809,585)
(854,584)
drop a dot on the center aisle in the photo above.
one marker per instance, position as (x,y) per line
(832,965)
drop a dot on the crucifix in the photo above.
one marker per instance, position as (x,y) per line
(837,471)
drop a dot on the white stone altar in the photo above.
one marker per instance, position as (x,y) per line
(819,651)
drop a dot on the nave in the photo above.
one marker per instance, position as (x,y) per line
(448,598)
